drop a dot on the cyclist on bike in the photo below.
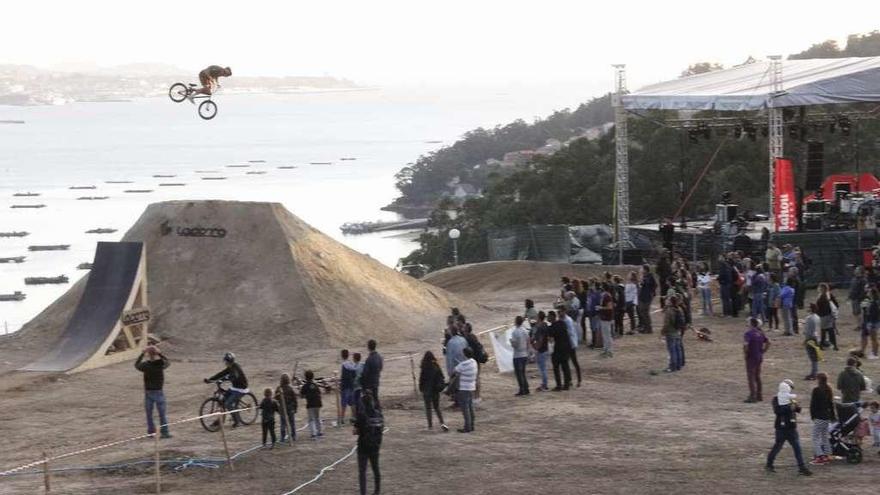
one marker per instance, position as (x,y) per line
(237,388)
(208,78)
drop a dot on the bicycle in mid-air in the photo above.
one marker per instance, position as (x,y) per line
(216,403)
(178,92)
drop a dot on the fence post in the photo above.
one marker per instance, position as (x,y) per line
(46,480)
(158,465)
(225,444)
(412,368)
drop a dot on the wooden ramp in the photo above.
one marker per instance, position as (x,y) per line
(95,336)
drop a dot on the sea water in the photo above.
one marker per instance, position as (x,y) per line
(85,144)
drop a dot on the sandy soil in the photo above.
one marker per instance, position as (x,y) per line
(623,431)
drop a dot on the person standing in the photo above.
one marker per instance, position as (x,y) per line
(857,291)
(773,302)
(631,298)
(312,394)
(822,414)
(431,383)
(372,370)
(758,288)
(619,295)
(671,334)
(785,424)
(154,381)
(268,409)
(285,395)
(754,346)
(606,321)
(725,285)
(704,283)
(811,342)
(369,426)
(851,382)
(871,322)
(647,291)
(664,271)
(347,376)
(789,312)
(793,281)
(467,385)
(561,349)
(826,308)
(573,337)
(519,340)
(455,350)
(773,257)
(540,343)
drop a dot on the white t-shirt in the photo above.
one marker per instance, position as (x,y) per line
(467,375)
(630,292)
(703,280)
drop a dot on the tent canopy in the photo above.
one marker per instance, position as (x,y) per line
(748,87)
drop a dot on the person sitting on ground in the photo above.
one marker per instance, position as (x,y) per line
(209,79)
(238,386)
(268,408)
(369,426)
(285,395)
(154,379)
(822,413)
(347,375)
(785,424)
(811,341)
(431,383)
(312,394)
(519,341)
(466,371)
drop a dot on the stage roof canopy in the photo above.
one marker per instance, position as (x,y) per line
(748,87)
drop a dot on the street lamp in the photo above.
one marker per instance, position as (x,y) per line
(454,234)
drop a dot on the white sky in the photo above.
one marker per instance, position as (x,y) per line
(421,42)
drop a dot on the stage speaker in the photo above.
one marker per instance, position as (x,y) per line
(815,165)
(814,222)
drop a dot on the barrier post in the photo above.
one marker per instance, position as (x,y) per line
(340,419)
(412,369)
(225,444)
(158,465)
(46,481)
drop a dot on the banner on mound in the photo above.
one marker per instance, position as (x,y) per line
(785,202)
(503,350)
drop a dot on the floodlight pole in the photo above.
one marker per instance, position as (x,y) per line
(774,131)
(621,171)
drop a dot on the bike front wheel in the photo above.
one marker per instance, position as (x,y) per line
(210,406)
(248,401)
(177,92)
(207,110)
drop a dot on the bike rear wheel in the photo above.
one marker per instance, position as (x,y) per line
(210,406)
(248,401)
(207,110)
(177,92)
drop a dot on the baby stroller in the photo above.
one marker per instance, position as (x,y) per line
(842,436)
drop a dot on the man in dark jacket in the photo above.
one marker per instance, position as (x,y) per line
(785,425)
(851,382)
(369,427)
(647,291)
(238,385)
(372,370)
(154,379)
(561,351)
(725,282)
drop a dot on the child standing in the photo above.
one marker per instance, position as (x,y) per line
(285,395)
(347,376)
(313,404)
(704,281)
(268,408)
(874,422)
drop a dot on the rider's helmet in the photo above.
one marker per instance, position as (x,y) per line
(228,71)
(229,357)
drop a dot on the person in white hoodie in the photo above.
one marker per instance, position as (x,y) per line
(519,340)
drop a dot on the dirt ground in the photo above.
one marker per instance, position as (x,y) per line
(624,431)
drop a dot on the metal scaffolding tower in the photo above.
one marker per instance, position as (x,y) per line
(774,130)
(621,174)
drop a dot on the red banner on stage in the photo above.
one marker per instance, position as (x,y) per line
(785,202)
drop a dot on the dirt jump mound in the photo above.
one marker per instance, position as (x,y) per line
(253,275)
(494,276)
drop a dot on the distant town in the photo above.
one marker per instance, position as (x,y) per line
(26,85)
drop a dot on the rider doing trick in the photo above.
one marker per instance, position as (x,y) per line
(238,385)
(208,78)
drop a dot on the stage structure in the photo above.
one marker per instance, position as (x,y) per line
(772,89)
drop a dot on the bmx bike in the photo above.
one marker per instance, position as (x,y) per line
(216,403)
(178,92)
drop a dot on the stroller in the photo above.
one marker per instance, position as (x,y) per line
(842,436)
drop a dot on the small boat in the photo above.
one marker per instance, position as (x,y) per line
(15,296)
(213,178)
(83,187)
(84,266)
(60,279)
(13,259)
(11,122)
(433,142)
(91,198)
(320,163)
(28,206)
(207,172)
(26,194)
(14,234)
(255,172)
(256,161)
(101,231)
(163,176)
(348,159)
(287,167)
(50,247)
(238,166)
(138,190)
(171,184)
(118,182)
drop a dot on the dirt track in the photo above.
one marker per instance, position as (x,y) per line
(623,431)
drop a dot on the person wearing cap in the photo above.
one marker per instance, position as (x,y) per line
(755,344)
(154,380)
(786,408)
